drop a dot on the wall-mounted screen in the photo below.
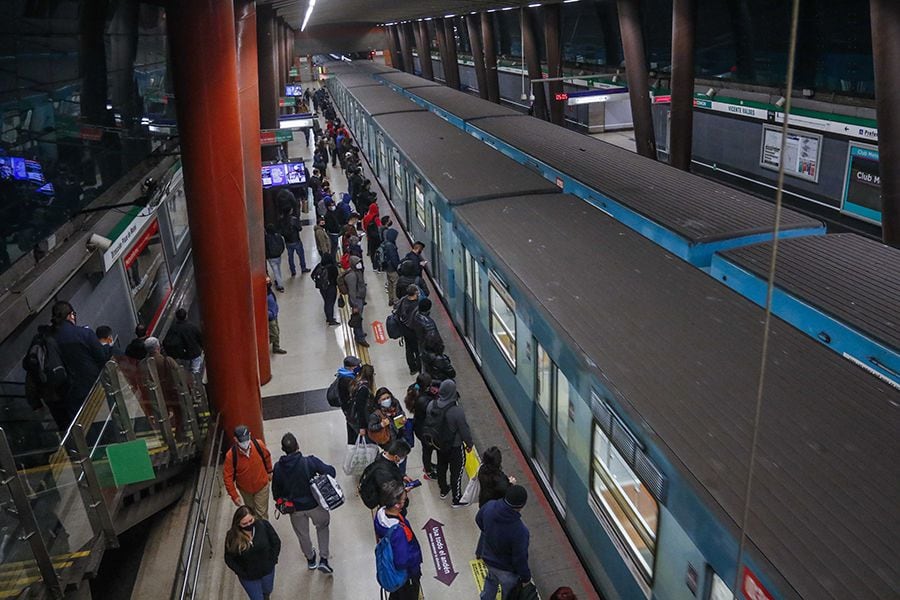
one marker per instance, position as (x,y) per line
(293,90)
(300,121)
(278,174)
(22,169)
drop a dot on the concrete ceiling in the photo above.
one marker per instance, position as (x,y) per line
(328,12)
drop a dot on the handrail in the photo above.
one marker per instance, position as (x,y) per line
(191,557)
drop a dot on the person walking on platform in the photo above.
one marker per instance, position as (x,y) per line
(81,354)
(248,471)
(184,342)
(274,329)
(406,311)
(356,297)
(290,230)
(345,377)
(290,481)
(448,430)
(407,554)
(418,396)
(390,260)
(505,547)
(323,242)
(324,277)
(274,249)
(251,551)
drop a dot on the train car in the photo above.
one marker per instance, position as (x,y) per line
(841,289)
(458,107)
(400,81)
(629,378)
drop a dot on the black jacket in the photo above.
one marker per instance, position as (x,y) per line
(83,356)
(289,227)
(438,366)
(406,311)
(183,341)
(259,559)
(384,471)
(494,483)
(333,223)
(360,412)
(424,326)
(274,245)
(291,475)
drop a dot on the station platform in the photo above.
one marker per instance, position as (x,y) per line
(294,400)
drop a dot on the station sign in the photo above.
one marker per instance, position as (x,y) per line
(287,101)
(601,95)
(272,137)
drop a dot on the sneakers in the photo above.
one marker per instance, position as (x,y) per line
(325,567)
(279,351)
(430,475)
(445,494)
(311,562)
(362,343)
(458,504)
(305,270)
(333,322)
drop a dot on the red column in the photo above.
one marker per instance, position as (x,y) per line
(248,97)
(209,125)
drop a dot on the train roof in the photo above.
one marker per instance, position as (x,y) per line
(407,80)
(460,168)
(368,66)
(381,100)
(339,66)
(682,354)
(353,80)
(849,277)
(698,209)
(463,105)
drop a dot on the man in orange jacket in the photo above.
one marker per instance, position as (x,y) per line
(248,471)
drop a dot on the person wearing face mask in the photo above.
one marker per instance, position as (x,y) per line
(385,418)
(251,550)
(248,471)
(333,225)
(105,337)
(356,297)
(391,523)
(383,470)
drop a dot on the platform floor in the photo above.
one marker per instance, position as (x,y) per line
(294,401)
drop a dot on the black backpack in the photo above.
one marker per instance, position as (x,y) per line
(332,394)
(319,276)
(435,430)
(408,268)
(44,361)
(368,486)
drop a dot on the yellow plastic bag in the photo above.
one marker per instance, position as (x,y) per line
(472,464)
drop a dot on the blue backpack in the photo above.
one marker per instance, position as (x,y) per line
(390,578)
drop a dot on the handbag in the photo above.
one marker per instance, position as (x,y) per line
(359,456)
(470,494)
(325,489)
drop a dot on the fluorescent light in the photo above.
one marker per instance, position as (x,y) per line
(569,1)
(535,5)
(449,16)
(492,10)
(508,8)
(309,10)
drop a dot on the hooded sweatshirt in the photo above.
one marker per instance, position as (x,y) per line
(405,546)
(391,256)
(356,285)
(371,215)
(455,420)
(504,542)
(291,475)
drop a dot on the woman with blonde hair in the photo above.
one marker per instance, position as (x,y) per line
(251,551)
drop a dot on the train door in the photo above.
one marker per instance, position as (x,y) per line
(400,190)
(436,246)
(382,168)
(551,393)
(471,299)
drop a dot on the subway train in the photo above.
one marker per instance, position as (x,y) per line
(631,380)
(698,220)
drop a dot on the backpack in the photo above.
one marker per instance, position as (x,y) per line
(407,268)
(44,361)
(342,283)
(390,578)
(319,276)
(393,326)
(368,487)
(332,394)
(434,431)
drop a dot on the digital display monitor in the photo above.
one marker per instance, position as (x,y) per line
(278,174)
(21,169)
(299,121)
(293,90)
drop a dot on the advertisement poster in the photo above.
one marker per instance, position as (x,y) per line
(148,277)
(862,188)
(801,153)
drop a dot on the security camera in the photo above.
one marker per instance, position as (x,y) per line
(98,242)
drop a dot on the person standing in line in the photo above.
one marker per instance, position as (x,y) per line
(406,312)
(563,593)
(505,547)
(372,225)
(325,278)
(356,297)
(418,396)
(184,342)
(251,551)
(425,328)
(323,242)
(362,393)
(491,478)
(410,269)
(290,231)
(274,329)
(454,439)
(80,351)
(290,481)
(345,377)
(386,417)
(333,225)
(390,522)
(248,471)
(274,249)
(390,262)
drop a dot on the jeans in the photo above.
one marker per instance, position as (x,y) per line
(320,519)
(275,271)
(411,345)
(335,242)
(257,588)
(358,333)
(296,249)
(507,581)
(455,460)
(329,297)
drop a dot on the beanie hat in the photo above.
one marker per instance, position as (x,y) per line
(424,305)
(516,496)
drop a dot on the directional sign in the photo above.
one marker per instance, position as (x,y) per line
(753,588)
(440,553)
(378,329)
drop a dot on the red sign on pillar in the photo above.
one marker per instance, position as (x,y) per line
(378,330)
(753,588)
(267,137)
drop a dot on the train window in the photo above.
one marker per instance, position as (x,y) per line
(624,500)
(398,178)
(503,322)
(420,205)
(562,406)
(382,155)
(545,368)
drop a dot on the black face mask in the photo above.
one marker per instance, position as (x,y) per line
(247,528)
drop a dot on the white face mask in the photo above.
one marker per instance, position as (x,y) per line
(359,265)
(386,403)
(244,445)
(332,207)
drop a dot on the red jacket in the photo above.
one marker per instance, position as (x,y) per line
(252,472)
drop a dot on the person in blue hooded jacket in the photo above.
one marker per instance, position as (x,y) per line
(405,546)
(290,481)
(504,543)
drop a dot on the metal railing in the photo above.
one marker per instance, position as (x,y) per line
(58,513)
(197,535)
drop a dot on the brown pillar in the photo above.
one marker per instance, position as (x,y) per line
(477,54)
(885,17)
(406,47)
(533,63)
(636,71)
(206,91)
(424,49)
(265,47)
(684,18)
(397,57)
(554,62)
(490,57)
(248,97)
(451,69)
